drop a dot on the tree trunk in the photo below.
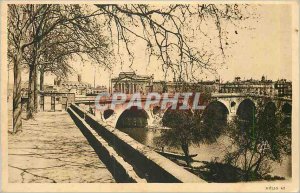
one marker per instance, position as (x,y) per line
(31,83)
(42,79)
(185,149)
(30,103)
(42,88)
(254,172)
(258,164)
(17,105)
(35,90)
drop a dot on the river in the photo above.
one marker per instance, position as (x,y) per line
(205,152)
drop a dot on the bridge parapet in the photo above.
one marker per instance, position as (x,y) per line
(248,95)
(147,163)
(120,169)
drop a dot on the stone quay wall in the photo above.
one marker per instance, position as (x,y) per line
(144,164)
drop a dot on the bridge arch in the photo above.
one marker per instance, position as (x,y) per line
(246,112)
(286,109)
(215,115)
(246,109)
(132,117)
(223,102)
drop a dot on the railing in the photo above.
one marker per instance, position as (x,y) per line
(228,95)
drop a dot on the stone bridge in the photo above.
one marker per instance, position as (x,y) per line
(233,102)
(112,117)
(226,105)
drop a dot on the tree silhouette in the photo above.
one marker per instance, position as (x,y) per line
(186,128)
(256,144)
(28,29)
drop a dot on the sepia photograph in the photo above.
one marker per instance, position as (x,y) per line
(147,96)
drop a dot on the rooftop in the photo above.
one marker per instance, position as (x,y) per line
(131,75)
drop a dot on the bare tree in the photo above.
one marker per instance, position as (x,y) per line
(169,32)
(51,18)
(70,42)
(18,28)
(164,29)
(40,21)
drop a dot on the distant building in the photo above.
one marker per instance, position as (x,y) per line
(284,88)
(97,90)
(178,86)
(208,86)
(251,86)
(129,83)
(77,87)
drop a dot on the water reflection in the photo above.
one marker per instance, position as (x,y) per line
(143,135)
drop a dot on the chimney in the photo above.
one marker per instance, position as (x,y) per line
(79,77)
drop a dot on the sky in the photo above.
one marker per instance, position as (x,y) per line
(266,50)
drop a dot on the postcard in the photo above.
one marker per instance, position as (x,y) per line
(149,96)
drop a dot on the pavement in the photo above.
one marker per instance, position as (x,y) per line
(51,149)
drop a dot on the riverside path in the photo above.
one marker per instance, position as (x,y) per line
(51,149)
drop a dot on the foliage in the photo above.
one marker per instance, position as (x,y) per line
(255,145)
(186,128)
